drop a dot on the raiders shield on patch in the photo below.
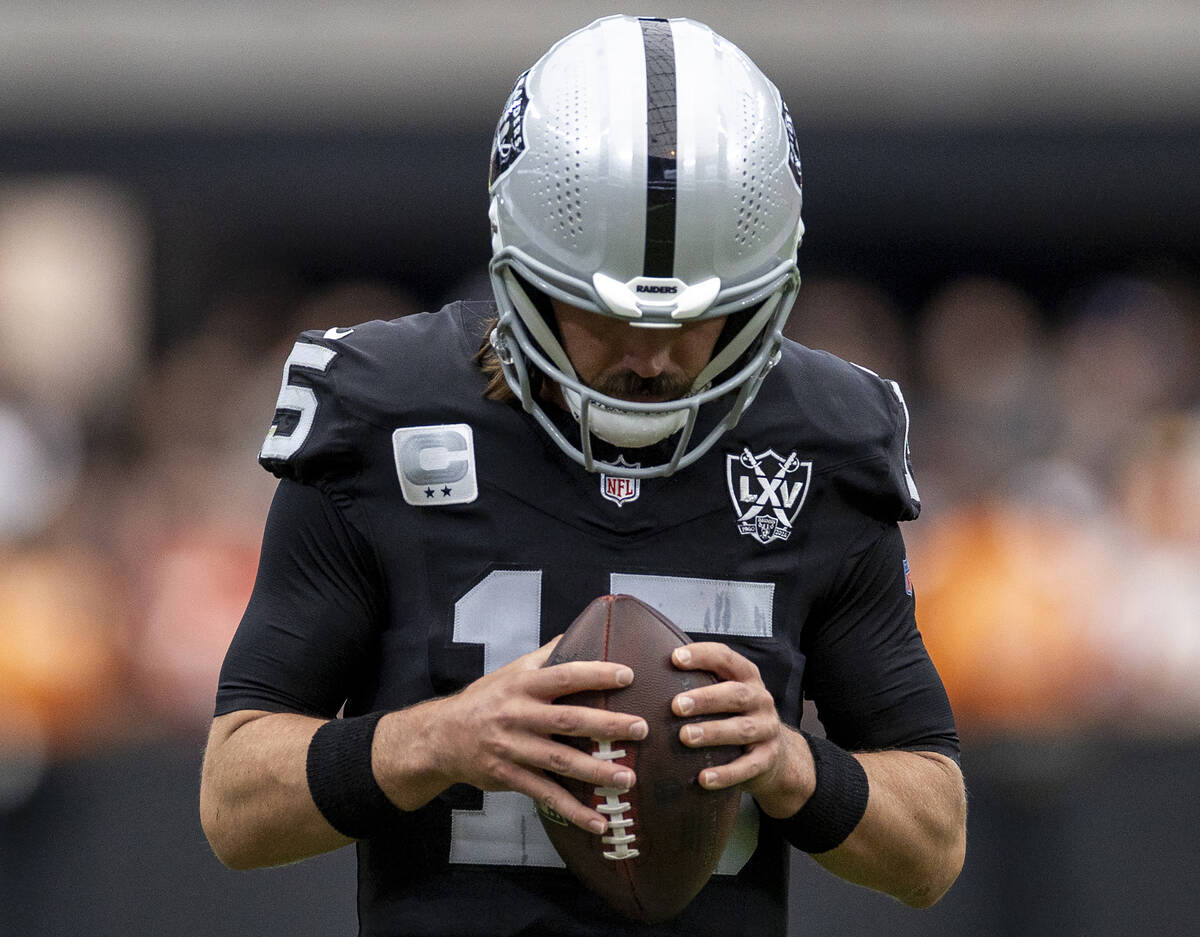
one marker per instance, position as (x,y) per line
(767,491)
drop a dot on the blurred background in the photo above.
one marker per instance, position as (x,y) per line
(1001,201)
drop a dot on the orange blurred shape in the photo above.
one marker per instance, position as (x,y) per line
(59,664)
(197,585)
(1003,601)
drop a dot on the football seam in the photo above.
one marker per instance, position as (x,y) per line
(626,868)
(635,888)
(614,809)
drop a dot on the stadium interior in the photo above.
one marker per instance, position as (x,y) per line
(1001,210)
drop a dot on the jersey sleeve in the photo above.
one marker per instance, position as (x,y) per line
(309,624)
(312,432)
(884,479)
(868,672)
(900,478)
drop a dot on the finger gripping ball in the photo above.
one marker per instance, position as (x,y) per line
(667,833)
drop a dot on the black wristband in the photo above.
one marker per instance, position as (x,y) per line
(838,801)
(341,780)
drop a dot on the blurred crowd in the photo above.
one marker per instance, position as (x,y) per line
(1057,565)
(1057,449)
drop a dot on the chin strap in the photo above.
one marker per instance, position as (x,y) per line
(623,428)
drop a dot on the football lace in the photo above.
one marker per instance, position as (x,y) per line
(620,836)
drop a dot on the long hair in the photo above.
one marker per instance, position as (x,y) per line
(485,359)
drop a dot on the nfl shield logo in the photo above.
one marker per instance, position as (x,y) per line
(619,489)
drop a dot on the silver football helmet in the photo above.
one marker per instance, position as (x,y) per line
(646,170)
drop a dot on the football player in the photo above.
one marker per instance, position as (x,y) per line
(627,417)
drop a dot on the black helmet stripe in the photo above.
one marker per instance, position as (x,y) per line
(661,141)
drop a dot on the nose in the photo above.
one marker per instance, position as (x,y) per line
(646,351)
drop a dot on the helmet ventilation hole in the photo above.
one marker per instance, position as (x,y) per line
(563,192)
(750,199)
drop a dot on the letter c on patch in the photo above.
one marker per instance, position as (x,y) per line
(436,457)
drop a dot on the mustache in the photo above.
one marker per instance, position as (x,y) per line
(629,384)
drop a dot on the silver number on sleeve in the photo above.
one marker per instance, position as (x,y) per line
(300,400)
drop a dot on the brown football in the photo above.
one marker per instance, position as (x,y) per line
(667,833)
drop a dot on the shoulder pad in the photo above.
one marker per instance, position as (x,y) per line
(310,431)
(891,474)
(860,423)
(339,383)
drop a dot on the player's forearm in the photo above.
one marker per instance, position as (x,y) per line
(911,841)
(255,805)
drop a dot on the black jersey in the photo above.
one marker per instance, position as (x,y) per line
(423,535)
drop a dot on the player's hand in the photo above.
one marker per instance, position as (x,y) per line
(775,766)
(496,733)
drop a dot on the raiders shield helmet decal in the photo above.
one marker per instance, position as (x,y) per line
(509,142)
(767,491)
